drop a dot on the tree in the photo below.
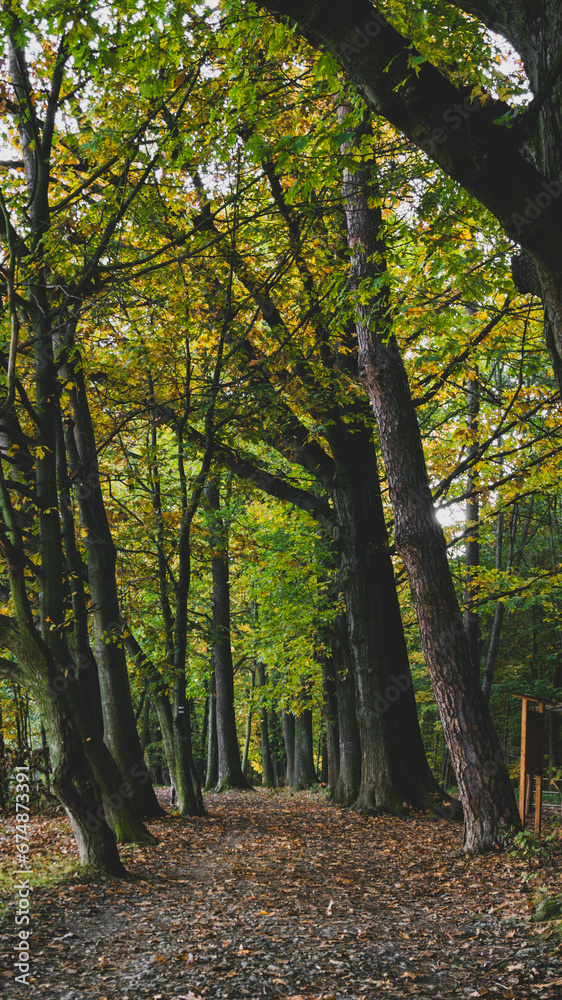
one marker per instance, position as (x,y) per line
(506,157)
(229,766)
(58,235)
(486,794)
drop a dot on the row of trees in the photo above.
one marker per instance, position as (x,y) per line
(210,251)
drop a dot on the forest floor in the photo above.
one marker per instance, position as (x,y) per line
(285,897)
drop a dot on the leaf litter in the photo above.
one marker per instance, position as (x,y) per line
(282,896)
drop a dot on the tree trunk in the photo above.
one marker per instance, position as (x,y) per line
(230,769)
(87,676)
(72,779)
(175,729)
(288,723)
(3,771)
(305,772)
(349,776)
(330,712)
(394,768)
(187,784)
(212,771)
(120,731)
(485,790)
(277,745)
(472,528)
(267,763)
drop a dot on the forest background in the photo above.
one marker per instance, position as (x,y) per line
(194,498)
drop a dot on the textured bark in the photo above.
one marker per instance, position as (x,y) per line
(175,729)
(72,780)
(349,776)
(267,763)
(485,790)
(187,784)
(288,723)
(304,772)
(87,669)
(394,768)
(472,515)
(330,773)
(116,790)
(120,731)
(212,770)
(229,764)
(246,767)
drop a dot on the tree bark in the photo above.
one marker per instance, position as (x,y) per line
(349,776)
(120,731)
(212,771)
(72,779)
(330,712)
(472,528)
(288,723)
(394,768)
(229,764)
(188,786)
(485,790)
(267,763)
(175,729)
(304,773)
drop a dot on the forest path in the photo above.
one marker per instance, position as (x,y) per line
(284,897)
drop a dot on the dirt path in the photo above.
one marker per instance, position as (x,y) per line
(284,897)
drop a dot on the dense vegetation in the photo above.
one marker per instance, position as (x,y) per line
(217,250)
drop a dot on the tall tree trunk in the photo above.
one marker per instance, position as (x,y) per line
(145,731)
(175,723)
(230,769)
(288,723)
(212,771)
(175,729)
(188,787)
(3,771)
(305,772)
(248,732)
(349,775)
(394,767)
(74,785)
(472,528)
(267,763)
(485,790)
(73,782)
(117,788)
(330,712)
(87,676)
(120,731)
(276,744)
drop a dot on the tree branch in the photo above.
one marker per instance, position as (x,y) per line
(459,133)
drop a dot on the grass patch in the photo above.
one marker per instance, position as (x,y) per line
(44,872)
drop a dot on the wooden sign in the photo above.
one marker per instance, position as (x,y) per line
(532,752)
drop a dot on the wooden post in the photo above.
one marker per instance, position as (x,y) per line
(538,790)
(523,768)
